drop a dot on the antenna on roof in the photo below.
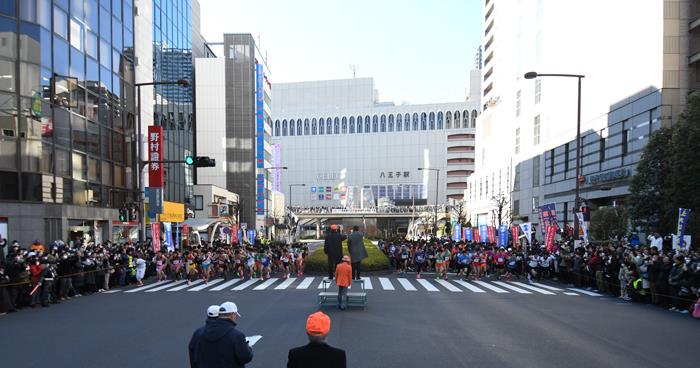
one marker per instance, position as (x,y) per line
(354,68)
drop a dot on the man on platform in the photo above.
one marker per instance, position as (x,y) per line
(356,248)
(333,248)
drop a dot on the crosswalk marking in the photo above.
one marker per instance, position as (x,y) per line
(546,286)
(225,285)
(181,287)
(111,291)
(469,286)
(386,284)
(142,288)
(586,292)
(449,286)
(570,293)
(320,285)
(427,285)
(245,285)
(530,287)
(368,283)
(285,284)
(265,284)
(165,286)
(406,284)
(491,287)
(305,283)
(206,285)
(511,287)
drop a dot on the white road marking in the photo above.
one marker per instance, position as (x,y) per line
(530,287)
(225,285)
(491,287)
(265,284)
(427,285)
(511,287)
(185,286)
(305,283)
(546,286)
(406,284)
(285,283)
(570,293)
(368,283)
(449,286)
(469,286)
(245,284)
(142,288)
(204,286)
(386,284)
(111,291)
(165,286)
(586,292)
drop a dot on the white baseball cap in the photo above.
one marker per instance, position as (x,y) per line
(228,308)
(213,311)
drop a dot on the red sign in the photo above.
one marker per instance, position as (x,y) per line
(155,235)
(155,153)
(514,230)
(234,234)
(476,235)
(551,232)
(492,234)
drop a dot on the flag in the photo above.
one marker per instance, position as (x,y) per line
(468,234)
(234,233)
(492,234)
(177,236)
(477,235)
(548,216)
(582,225)
(683,215)
(514,232)
(503,235)
(551,232)
(155,235)
(169,235)
(457,232)
(483,233)
(185,235)
(527,230)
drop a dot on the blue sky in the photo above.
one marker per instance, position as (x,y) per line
(418,51)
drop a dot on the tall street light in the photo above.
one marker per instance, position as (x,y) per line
(533,75)
(267,197)
(142,208)
(290,191)
(437,191)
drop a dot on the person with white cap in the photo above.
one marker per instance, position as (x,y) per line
(219,343)
(212,312)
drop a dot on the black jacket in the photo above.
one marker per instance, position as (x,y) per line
(219,345)
(333,246)
(315,355)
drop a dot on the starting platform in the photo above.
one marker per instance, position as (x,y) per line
(356,296)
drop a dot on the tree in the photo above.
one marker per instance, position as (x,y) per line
(608,223)
(427,218)
(502,210)
(459,210)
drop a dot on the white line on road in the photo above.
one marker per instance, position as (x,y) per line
(449,286)
(530,287)
(386,284)
(546,286)
(570,293)
(320,285)
(165,286)
(469,286)
(245,284)
(265,284)
(427,285)
(368,283)
(181,287)
(490,287)
(590,293)
(305,283)
(111,291)
(206,285)
(406,284)
(285,284)
(142,288)
(225,285)
(511,287)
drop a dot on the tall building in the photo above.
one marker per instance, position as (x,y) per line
(67,118)
(638,73)
(351,150)
(237,134)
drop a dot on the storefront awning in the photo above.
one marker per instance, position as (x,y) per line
(200,224)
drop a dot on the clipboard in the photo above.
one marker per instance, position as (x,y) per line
(253,339)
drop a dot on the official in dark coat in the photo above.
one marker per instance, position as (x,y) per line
(356,248)
(317,353)
(219,344)
(333,247)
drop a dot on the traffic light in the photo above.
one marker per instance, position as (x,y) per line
(123,215)
(200,161)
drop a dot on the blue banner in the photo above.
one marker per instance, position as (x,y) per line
(503,235)
(259,138)
(683,215)
(251,236)
(240,236)
(484,233)
(548,216)
(169,235)
(457,231)
(468,234)
(177,236)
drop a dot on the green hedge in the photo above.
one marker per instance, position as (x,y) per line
(377,261)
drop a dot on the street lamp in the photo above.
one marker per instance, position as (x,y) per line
(437,190)
(533,75)
(266,196)
(290,191)
(139,154)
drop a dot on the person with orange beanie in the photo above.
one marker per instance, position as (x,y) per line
(317,353)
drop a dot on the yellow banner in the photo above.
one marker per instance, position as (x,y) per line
(172,212)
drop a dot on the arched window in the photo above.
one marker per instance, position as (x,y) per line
(474,115)
(440,121)
(367,127)
(382,124)
(292,130)
(399,122)
(359,124)
(391,123)
(314,126)
(465,119)
(344,125)
(306,127)
(336,126)
(407,122)
(448,120)
(277,128)
(423,121)
(375,124)
(321,126)
(415,121)
(352,124)
(284,128)
(456,119)
(329,126)
(431,121)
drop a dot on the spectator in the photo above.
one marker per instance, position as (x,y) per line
(317,353)
(343,278)
(219,344)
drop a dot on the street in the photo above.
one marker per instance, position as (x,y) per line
(406,324)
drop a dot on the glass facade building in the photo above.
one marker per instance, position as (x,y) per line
(67,112)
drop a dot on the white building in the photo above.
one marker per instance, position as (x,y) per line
(343,145)
(637,73)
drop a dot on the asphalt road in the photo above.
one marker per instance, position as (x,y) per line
(399,328)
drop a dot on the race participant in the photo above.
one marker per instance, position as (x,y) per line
(500,261)
(419,259)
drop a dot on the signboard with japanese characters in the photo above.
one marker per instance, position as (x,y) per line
(155,153)
(394,174)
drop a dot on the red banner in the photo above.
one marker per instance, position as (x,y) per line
(186,234)
(234,234)
(551,232)
(476,235)
(514,231)
(155,235)
(492,234)
(155,153)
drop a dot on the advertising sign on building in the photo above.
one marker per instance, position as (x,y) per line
(155,153)
(259,139)
(172,212)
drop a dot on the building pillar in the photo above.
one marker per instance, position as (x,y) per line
(318,229)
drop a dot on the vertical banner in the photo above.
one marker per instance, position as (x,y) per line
(457,231)
(155,153)
(251,236)
(484,233)
(492,234)
(514,234)
(683,214)
(551,232)
(468,234)
(155,236)
(177,236)
(240,236)
(277,162)
(259,140)
(168,236)
(527,230)
(234,233)
(477,234)
(584,228)
(503,235)
(185,235)
(548,213)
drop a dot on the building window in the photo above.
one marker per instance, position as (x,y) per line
(516,206)
(321,126)
(382,126)
(474,115)
(551,164)
(367,126)
(352,124)
(399,121)
(406,122)
(517,103)
(431,121)
(277,128)
(516,180)
(344,126)
(375,124)
(536,132)
(448,120)
(336,126)
(423,121)
(625,137)
(456,120)
(536,171)
(415,121)
(465,119)
(314,126)
(284,128)
(517,140)
(199,203)
(602,149)
(440,122)
(566,159)
(306,127)
(359,124)
(391,123)
(299,131)
(291,128)
(538,91)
